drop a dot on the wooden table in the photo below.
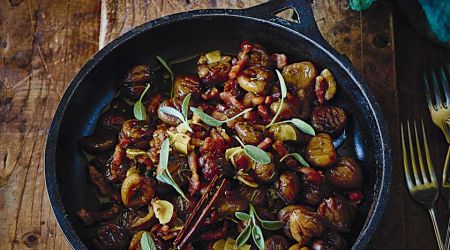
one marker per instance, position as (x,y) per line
(44,43)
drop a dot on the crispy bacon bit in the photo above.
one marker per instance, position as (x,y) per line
(153,104)
(355,196)
(213,218)
(265,144)
(280,60)
(312,175)
(194,182)
(280,148)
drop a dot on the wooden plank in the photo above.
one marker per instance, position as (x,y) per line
(43,44)
(415,57)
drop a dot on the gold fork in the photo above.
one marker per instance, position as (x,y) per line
(422,190)
(440,114)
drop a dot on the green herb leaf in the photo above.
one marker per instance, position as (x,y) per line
(242,216)
(298,157)
(211,121)
(139,111)
(185,106)
(257,154)
(271,225)
(283,95)
(206,118)
(147,242)
(139,108)
(244,236)
(303,126)
(258,237)
(173,112)
(164,154)
(165,177)
(166,66)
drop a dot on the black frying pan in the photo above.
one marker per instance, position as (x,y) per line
(188,34)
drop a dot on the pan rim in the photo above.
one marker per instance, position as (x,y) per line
(383,182)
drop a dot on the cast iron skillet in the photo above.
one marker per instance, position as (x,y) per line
(188,34)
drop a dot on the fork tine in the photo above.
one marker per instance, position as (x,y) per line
(419,155)
(445,86)
(413,157)
(405,160)
(427,154)
(437,92)
(427,92)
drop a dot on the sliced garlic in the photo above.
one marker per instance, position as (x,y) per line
(331,90)
(163,210)
(180,142)
(132,153)
(213,56)
(182,129)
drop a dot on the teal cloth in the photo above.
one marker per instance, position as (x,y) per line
(437,13)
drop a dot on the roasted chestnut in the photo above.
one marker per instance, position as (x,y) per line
(137,190)
(328,119)
(136,80)
(288,185)
(290,109)
(276,242)
(213,70)
(258,56)
(255,79)
(135,134)
(330,241)
(305,225)
(112,236)
(300,75)
(346,174)
(265,172)
(285,213)
(320,151)
(248,134)
(256,196)
(312,193)
(337,213)
(166,118)
(183,85)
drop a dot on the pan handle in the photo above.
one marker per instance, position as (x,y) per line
(306,23)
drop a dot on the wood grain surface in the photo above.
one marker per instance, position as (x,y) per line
(44,43)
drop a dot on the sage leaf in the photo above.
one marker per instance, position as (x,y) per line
(298,157)
(206,118)
(244,236)
(258,236)
(164,176)
(173,112)
(147,242)
(257,154)
(303,126)
(242,216)
(139,111)
(185,106)
(271,225)
(164,154)
(139,108)
(211,121)
(283,95)
(166,66)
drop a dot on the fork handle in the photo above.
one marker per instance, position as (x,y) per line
(447,237)
(436,228)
